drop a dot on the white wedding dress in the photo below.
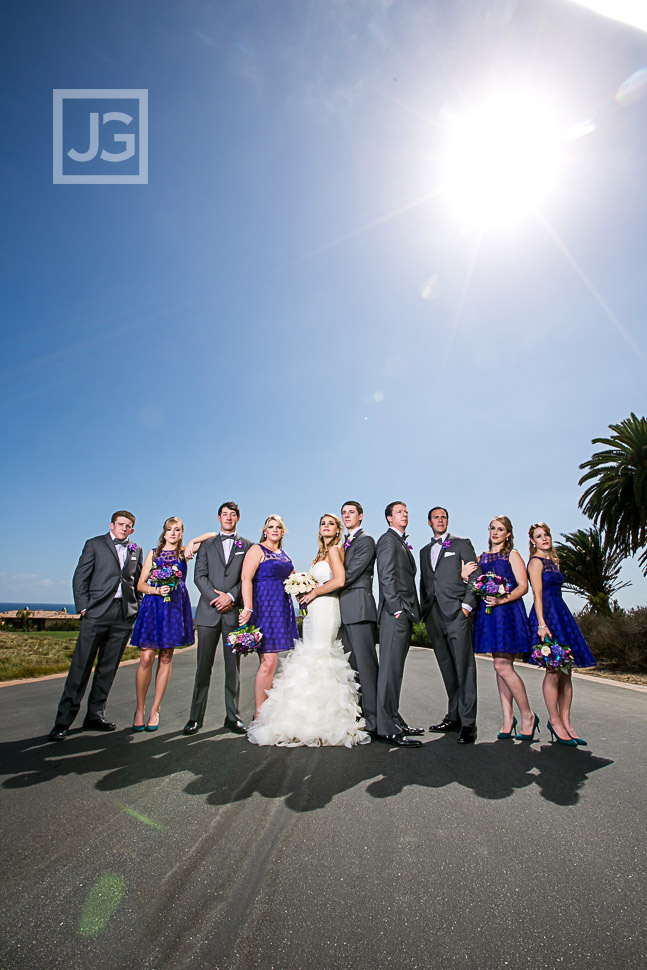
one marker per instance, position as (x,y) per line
(313,700)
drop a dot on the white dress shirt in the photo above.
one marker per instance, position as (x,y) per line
(122,552)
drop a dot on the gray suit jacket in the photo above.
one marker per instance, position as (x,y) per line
(396,573)
(356,600)
(98,575)
(446,584)
(212,572)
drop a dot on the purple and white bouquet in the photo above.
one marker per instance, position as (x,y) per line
(490,584)
(245,640)
(165,574)
(553,656)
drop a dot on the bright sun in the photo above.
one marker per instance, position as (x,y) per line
(502,160)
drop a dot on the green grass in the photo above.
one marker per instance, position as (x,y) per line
(40,652)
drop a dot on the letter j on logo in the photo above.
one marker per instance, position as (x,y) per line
(100,136)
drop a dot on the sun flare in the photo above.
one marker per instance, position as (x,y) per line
(501,161)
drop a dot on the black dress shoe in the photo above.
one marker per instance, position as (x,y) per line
(414,732)
(401,740)
(98,724)
(191,727)
(58,733)
(467,735)
(236,726)
(445,726)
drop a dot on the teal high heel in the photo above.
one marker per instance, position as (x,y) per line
(504,735)
(572,743)
(531,736)
(154,727)
(579,741)
(137,727)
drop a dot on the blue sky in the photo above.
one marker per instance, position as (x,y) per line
(292,312)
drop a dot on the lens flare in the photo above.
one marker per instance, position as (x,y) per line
(501,161)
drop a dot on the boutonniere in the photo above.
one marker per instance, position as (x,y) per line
(404,539)
(447,543)
(348,542)
(132,547)
(238,543)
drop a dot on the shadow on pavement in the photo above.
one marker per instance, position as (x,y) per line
(228,769)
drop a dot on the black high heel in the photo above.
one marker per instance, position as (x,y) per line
(531,736)
(504,735)
(572,743)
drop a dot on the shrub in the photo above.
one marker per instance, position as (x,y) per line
(419,636)
(618,640)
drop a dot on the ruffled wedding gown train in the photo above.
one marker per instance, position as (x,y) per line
(313,700)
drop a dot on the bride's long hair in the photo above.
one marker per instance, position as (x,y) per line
(326,545)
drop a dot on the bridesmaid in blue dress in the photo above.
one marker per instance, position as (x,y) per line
(164,621)
(505,632)
(551,617)
(266,604)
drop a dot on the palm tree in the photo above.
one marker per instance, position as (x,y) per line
(590,568)
(616,498)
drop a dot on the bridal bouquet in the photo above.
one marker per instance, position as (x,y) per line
(165,574)
(245,640)
(490,584)
(553,656)
(298,584)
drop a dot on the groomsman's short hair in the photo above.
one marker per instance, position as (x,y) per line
(122,512)
(388,511)
(229,505)
(360,510)
(433,509)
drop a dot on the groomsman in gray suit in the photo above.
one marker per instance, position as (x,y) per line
(106,595)
(446,603)
(397,611)
(358,610)
(218,569)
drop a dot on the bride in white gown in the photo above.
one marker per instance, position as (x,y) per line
(314,700)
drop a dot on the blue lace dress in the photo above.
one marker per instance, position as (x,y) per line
(160,625)
(505,629)
(557,616)
(273,610)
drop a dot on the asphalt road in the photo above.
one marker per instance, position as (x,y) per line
(161,852)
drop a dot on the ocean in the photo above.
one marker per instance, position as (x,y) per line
(4,607)
(37,606)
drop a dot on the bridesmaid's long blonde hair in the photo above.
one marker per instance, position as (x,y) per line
(533,548)
(508,545)
(161,542)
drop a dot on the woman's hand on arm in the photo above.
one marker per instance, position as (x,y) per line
(193,545)
(467,568)
(337,581)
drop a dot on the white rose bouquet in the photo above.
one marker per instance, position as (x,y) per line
(298,584)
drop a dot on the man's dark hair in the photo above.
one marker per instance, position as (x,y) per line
(359,508)
(389,509)
(229,505)
(433,509)
(126,515)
